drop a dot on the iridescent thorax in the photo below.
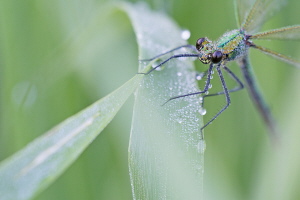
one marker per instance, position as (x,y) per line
(230,46)
(233,44)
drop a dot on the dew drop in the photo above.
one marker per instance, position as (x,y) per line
(210,86)
(199,76)
(207,92)
(185,34)
(155,64)
(179,74)
(202,111)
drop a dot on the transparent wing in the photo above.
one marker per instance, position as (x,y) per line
(259,12)
(242,10)
(278,56)
(285,33)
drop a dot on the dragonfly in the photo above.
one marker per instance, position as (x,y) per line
(234,45)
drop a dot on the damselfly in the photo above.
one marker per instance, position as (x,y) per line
(234,46)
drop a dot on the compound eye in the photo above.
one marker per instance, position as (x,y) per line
(216,57)
(200,44)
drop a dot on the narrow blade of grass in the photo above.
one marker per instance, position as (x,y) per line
(36,166)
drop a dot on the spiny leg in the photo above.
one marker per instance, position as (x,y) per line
(227,97)
(193,48)
(206,87)
(257,97)
(168,59)
(240,85)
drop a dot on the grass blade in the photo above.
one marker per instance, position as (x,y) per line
(36,166)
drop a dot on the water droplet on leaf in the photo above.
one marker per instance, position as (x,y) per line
(202,111)
(185,34)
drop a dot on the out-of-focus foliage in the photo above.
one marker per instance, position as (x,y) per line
(58,57)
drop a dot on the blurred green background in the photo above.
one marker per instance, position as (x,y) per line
(57,57)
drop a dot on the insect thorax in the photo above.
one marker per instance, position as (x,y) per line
(233,44)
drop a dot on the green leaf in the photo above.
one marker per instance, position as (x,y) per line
(36,166)
(166,150)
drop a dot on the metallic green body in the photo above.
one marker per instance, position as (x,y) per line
(232,44)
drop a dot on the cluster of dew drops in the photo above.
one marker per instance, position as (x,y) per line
(199,76)
(185,34)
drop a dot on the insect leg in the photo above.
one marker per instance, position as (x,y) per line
(240,85)
(227,97)
(193,48)
(174,56)
(206,87)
